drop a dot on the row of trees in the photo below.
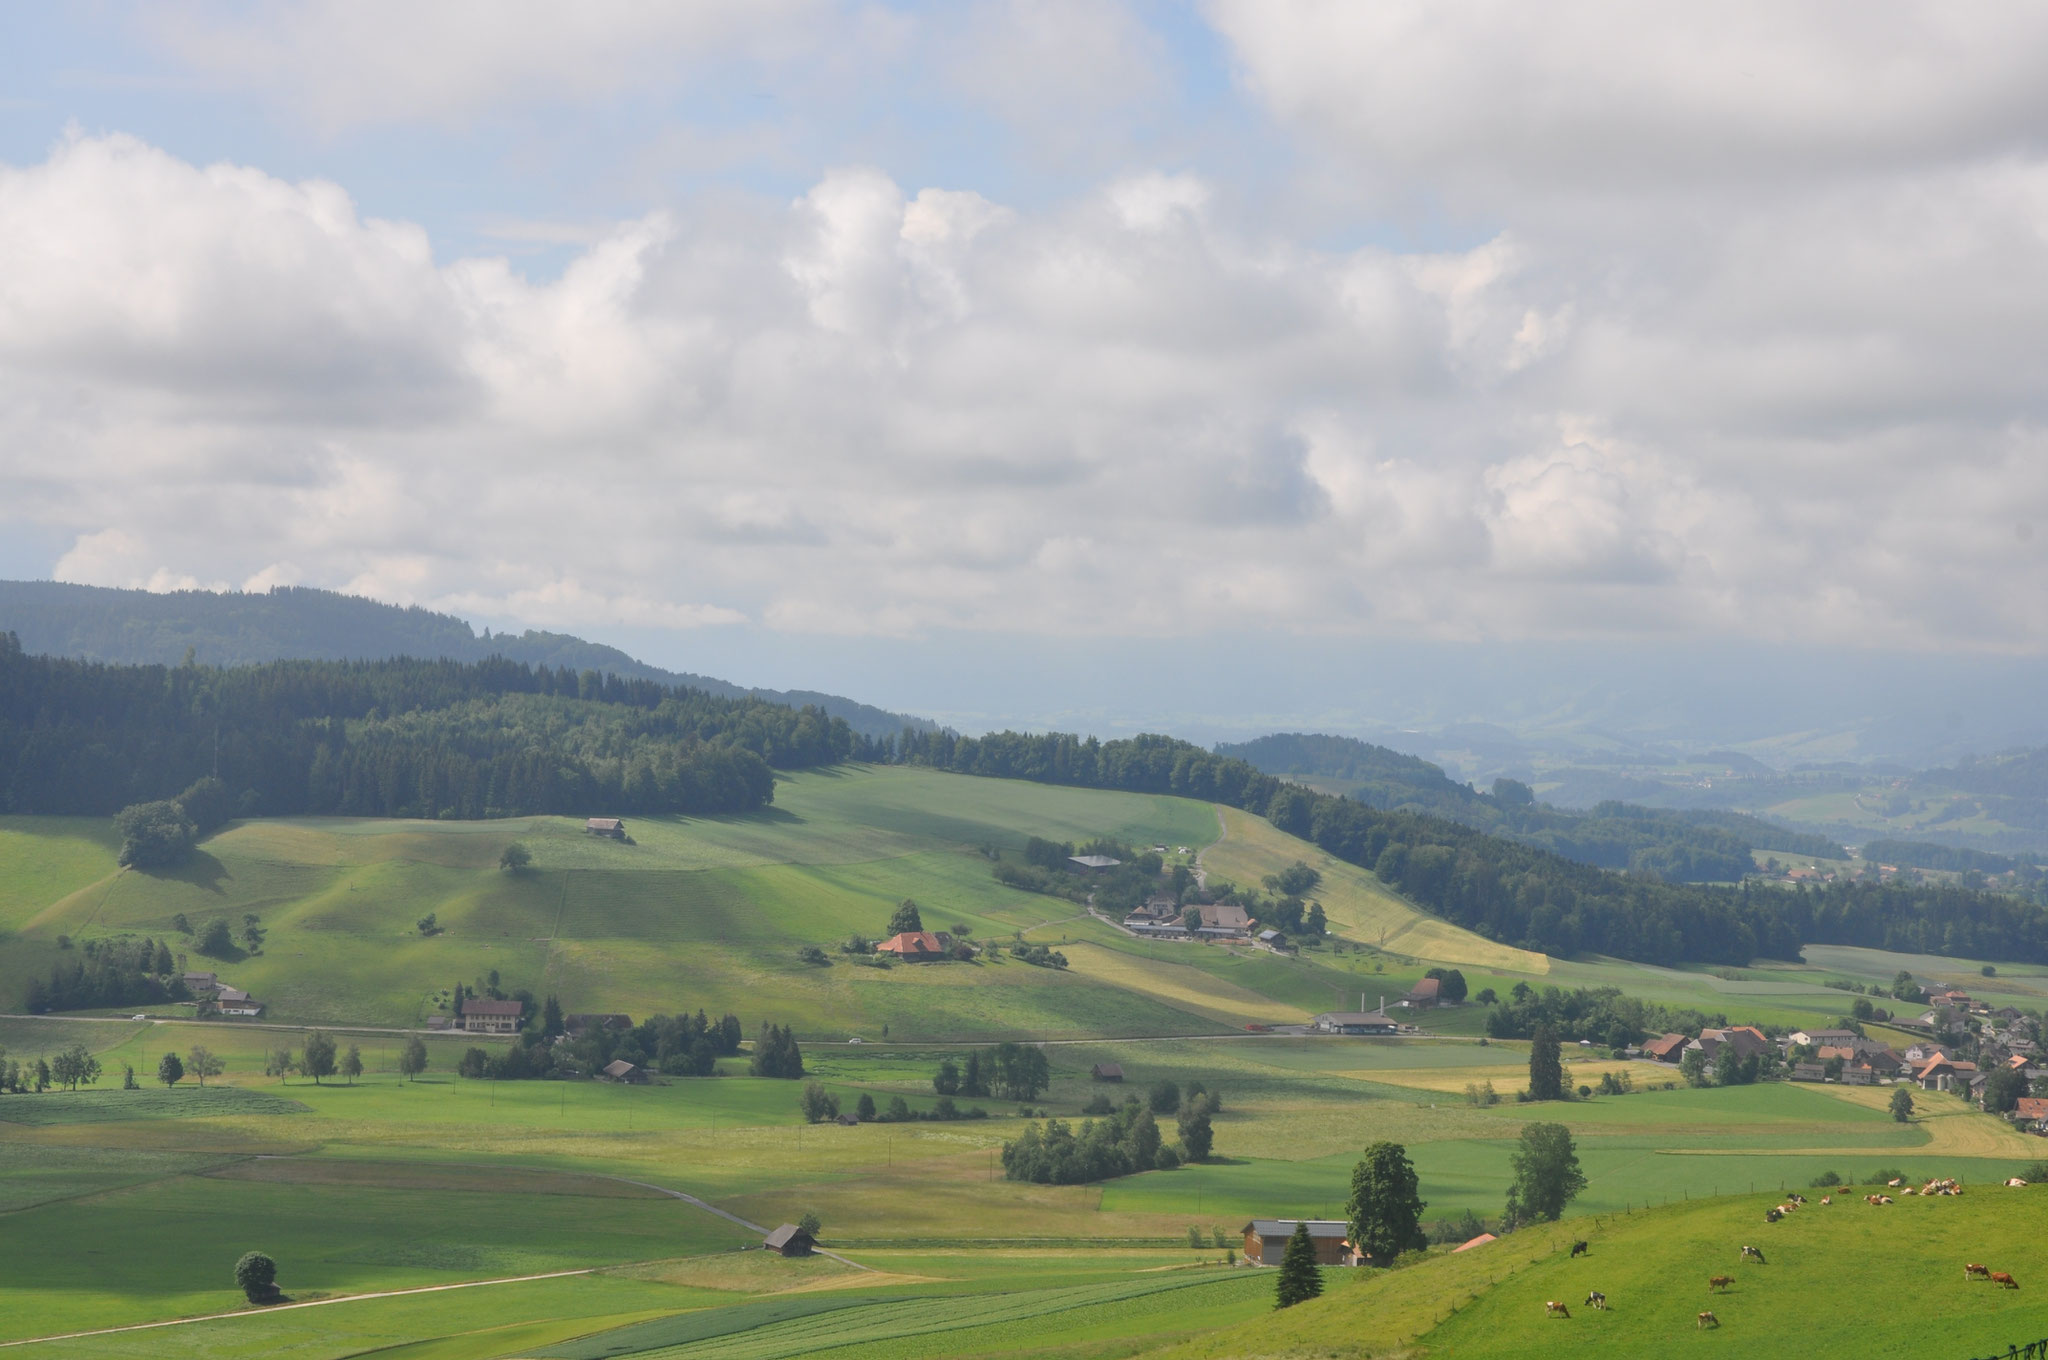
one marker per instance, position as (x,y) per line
(1511,892)
(385,738)
(1008,1071)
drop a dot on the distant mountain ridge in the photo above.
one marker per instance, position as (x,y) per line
(1681,846)
(300,623)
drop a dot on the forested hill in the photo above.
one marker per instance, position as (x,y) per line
(391,738)
(296,623)
(1687,846)
(1511,892)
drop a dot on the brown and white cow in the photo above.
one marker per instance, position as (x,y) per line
(1708,1320)
(1555,1308)
(1973,1271)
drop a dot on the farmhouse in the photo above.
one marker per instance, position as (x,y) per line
(231,1001)
(1858,1074)
(480,1016)
(2033,1112)
(1426,993)
(1093,864)
(1666,1049)
(1106,1072)
(618,1069)
(790,1240)
(1809,1071)
(1265,1241)
(1946,1074)
(1224,918)
(1155,909)
(917,946)
(610,827)
(198,983)
(1357,1022)
(1162,930)
(1814,1038)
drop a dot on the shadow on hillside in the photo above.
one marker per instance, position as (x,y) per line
(200,869)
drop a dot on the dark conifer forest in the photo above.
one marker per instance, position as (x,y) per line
(399,738)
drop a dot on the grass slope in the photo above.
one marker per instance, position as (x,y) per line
(1841,1280)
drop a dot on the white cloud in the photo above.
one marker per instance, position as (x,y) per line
(1811,412)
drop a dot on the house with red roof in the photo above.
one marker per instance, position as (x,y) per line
(917,946)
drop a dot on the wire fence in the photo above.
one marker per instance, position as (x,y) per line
(2033,1350)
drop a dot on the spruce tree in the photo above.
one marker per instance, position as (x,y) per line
(1546,1066)
(1299,1277)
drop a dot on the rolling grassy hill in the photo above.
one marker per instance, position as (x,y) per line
(1845,1280)
(712,912)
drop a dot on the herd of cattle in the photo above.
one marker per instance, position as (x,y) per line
(1944,1186)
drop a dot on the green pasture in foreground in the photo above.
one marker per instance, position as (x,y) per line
(1844,1280)
(119,1207)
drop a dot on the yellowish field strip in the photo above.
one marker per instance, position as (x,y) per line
(1952,1128)
(1177,984)
(1506,1078)
(1358,905)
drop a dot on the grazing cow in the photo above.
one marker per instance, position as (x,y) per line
(1772,1215)
(2003,1280)
(1753,1254)
(1707,1320)
(1555,1308)
(1720,1281)
(1596,1299)
(1973,1271)
(1827,1199)
(2015,1183)
(1580,1248)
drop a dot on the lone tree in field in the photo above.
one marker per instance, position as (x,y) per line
(818,1104)
(515,858)
(1196,1135)
(73,1066)
(1547,1174)
(412,1059)
(1546,1066)
(352,1064)
(1299,1277)
(256,1276)
(906,918)
(280,1064)
(318,1060)
(154,835)
(201,1063)
(1902,1104)
(1386,1205)
(170,1071)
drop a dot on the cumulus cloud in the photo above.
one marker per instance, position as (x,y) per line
(1719,356)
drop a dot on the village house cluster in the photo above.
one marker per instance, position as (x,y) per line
(1965,1042)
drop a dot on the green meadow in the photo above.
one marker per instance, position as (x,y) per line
(128,1208)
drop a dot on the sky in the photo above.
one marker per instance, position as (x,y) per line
(1008,360)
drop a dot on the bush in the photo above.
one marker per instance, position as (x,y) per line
(1826,1180)
(818,1104)
(256,1277)
(154,835)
